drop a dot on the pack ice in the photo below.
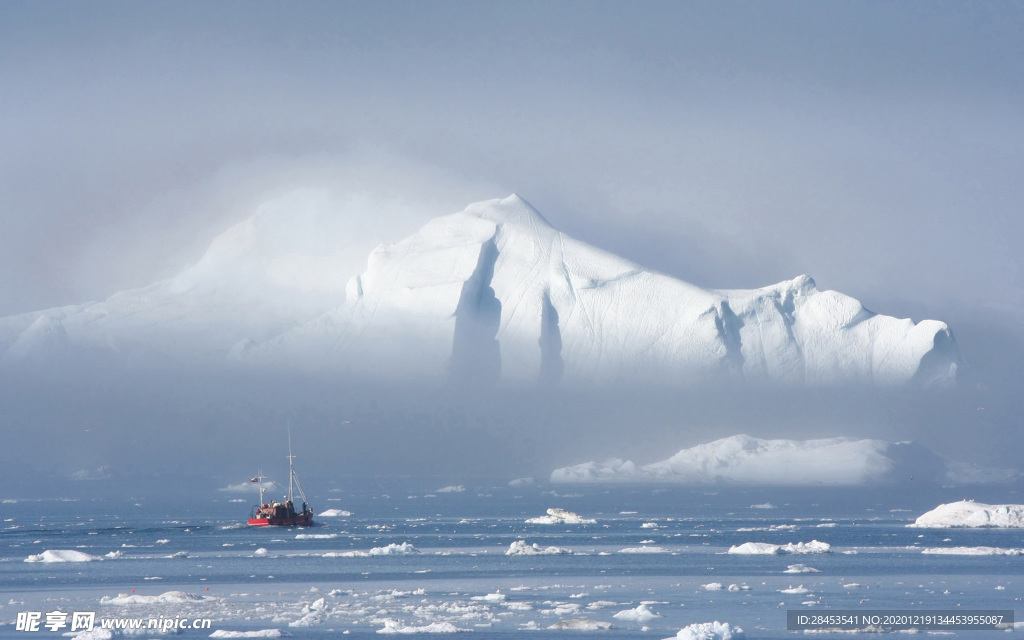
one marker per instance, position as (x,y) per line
(492,293)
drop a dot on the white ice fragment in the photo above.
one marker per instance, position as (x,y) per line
(521,548)
(710,631)
(560,516)
(638,614)
(62,555)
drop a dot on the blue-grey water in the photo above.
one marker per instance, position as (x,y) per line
(301,583)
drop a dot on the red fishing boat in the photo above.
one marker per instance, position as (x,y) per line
(284,513)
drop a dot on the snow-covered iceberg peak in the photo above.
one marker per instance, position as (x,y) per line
(495,292)
(491,294)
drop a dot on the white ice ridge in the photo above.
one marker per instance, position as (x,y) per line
(560,516)
(334,513)
(395,626)
(492,292)
(971,551)
(743,459)
(709,631)
(168,597)
(968,513)
(638,614)
(262,633)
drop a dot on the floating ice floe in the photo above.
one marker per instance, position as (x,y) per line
(394,626)
(315,536)
(334,513)
(521,548)
(968,513)
(560,516)
(581,624)
(490,597)
(389,550)
(710,631)
(455,488)
(764,548)
(972,551)
(650,549)
(799,591)
(638,614)
(800,568)
(169,597)
(62,555)
(262,633)
(712,586)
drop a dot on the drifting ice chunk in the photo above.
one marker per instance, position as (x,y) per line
(334,513)
(764,548)
(639,614)
(968,513)
(710,631)
(169,597)
(972,551)
(394,626)
(62,555)
(581,624)
(560,516)
(389,550)
(521,548)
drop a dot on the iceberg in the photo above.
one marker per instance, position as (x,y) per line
(394,626)
(709,631)
(493,293)
(521,548)
(560,516)
(764,548)
(971,551)
(638,614)
(62,555)
(747,460)
(967,513)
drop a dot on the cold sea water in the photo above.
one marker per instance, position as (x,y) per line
(429,562)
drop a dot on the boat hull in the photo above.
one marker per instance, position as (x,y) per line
(297,521)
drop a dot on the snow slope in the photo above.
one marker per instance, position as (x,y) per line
(490,293)
(746,460)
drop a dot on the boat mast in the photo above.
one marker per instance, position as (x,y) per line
(291,466)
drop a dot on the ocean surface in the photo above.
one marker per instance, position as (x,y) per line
(432,562)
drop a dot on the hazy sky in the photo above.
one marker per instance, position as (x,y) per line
(876,146)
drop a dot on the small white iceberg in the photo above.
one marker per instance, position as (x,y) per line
(710,631)
(560,516)
(62,555)
(638,614)
(334,513)
(764,548)
(394,626)
(581,624)
(521,548)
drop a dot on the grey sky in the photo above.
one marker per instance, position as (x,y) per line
(875,146)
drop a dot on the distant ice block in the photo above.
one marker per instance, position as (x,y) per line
(560,516)
(521,548)
(334,513)
(764,548)
(968,513)
(638,614)
(62,555)
(710,631)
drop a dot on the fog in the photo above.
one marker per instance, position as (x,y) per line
(875,147)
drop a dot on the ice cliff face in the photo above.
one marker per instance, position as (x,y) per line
(490,294)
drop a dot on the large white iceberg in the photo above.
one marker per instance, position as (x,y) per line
(968,513)
(743,459)
(560,516)
(493,292)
